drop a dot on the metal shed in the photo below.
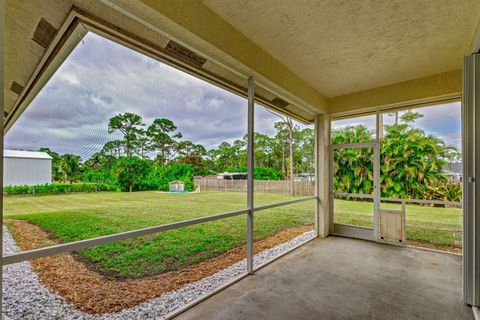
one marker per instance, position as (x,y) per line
(26,168)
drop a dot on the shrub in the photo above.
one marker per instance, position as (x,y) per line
(135,174)
(17,190)
(100,176)
(58,188)
(265,173)
(131,173)
(161,176)
(261,173)
(444,191)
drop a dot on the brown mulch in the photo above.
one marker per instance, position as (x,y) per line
(93,293)
(435,247)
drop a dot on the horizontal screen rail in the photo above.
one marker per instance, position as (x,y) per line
(280,204)
(87,243)
(353,195)
(419,201)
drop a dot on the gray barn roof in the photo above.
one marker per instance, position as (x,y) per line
(26,154)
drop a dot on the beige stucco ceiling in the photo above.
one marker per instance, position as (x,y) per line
(341,47)
(298,51)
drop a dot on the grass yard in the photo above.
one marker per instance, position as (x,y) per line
(81,216)
(430,225)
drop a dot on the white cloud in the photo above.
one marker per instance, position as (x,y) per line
(69,78)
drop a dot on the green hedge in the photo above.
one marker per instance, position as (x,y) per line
(261,173)
(58,188)
(159,177)
(141,175)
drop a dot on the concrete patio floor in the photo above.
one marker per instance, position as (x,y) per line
(341,278)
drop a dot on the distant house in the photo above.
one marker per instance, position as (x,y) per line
(454,171)
(26,168)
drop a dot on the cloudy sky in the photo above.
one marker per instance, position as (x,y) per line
(101,79)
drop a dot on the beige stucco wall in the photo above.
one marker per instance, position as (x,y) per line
(196,26)
(438,87)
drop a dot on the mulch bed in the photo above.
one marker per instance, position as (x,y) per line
(93,293)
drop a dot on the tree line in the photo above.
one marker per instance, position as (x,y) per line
(142,151)
(149,157)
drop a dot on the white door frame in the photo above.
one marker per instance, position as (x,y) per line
(357,231)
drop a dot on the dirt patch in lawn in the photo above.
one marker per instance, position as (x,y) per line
(93,293)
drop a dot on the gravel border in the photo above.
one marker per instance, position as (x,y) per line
(25,297)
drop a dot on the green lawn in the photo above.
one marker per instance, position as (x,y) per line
(438,226)
(82,216)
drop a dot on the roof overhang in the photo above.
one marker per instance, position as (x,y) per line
(196,40)
(141,35)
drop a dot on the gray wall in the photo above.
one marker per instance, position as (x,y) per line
(26,171)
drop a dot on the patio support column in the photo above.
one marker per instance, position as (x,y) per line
(322,176)
(471,172)
(2,99)
(376,175)
(250,166)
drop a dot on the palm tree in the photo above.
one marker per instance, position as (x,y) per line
(410,161)
(70,166)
